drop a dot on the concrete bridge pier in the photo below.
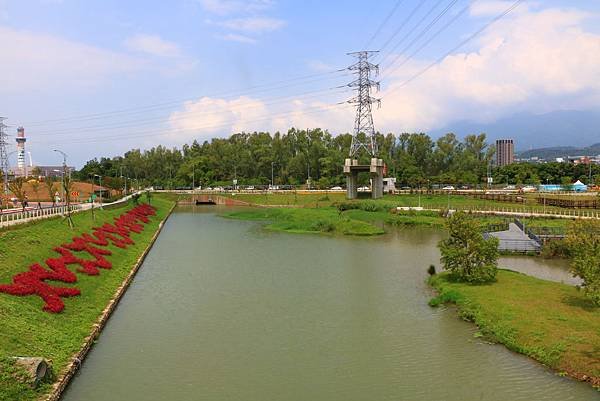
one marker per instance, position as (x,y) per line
(375,169)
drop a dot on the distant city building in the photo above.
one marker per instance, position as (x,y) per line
(52,171)
(505,152)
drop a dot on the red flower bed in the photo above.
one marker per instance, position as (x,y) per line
(33,281)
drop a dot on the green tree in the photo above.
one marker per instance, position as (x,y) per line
(16,187)
(466,253)
(49,185)
(583,239)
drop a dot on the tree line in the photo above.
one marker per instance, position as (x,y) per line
(292,158)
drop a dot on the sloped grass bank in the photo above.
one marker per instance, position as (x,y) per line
(25,329)
(366,219)
(551,322)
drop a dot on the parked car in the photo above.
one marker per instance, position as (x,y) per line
(338,188)
(529,188)
(448,188)
(510,187)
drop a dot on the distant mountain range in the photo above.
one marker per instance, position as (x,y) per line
(559,129)
(561,151)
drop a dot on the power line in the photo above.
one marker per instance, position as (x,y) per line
(413,29)
(183,115)
(162,132)
(424,31)
(461,44)
(431,38)
(401,26)
(385,21)
(141,109)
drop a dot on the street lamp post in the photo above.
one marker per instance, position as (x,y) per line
(125,180)
(92,196)
(64,155)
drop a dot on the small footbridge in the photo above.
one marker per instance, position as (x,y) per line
(517,239)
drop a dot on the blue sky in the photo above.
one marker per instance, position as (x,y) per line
(84,62)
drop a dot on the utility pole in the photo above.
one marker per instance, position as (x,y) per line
(4,153)
(308,159)
(364,118)
(125,180)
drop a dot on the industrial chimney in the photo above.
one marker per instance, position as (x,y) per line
(21,150)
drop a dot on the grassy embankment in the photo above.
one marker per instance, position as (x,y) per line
(314,213)
(550,322)
(26,330)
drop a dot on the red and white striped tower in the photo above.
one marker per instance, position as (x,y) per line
(21,165)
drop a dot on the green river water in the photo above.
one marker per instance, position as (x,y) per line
(223,310)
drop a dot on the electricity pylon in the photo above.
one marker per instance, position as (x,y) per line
(363,100)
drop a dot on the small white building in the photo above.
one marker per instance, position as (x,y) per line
(389,184)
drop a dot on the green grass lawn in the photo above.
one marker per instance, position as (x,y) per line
(26,330)
(349,222)
(550,322)
(291,199)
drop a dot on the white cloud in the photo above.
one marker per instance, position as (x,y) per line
(227,7)
(253,24)
(210,116)
(234,37)
(153,45)
(37,61)
(213,117)
(248,18)
(534,61)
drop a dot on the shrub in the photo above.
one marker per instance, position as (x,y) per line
(343,206)
(431,270)
(466,253)
(323,226)
(556,249)
(583,240)
(367,206)
(446,296)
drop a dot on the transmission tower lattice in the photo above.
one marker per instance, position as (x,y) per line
(4,153)
(364,117)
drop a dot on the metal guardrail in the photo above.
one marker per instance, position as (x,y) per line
(7,219)
(19,217)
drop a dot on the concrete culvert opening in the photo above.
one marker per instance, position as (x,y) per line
(37,369)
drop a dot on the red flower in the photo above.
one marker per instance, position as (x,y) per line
(33,281)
